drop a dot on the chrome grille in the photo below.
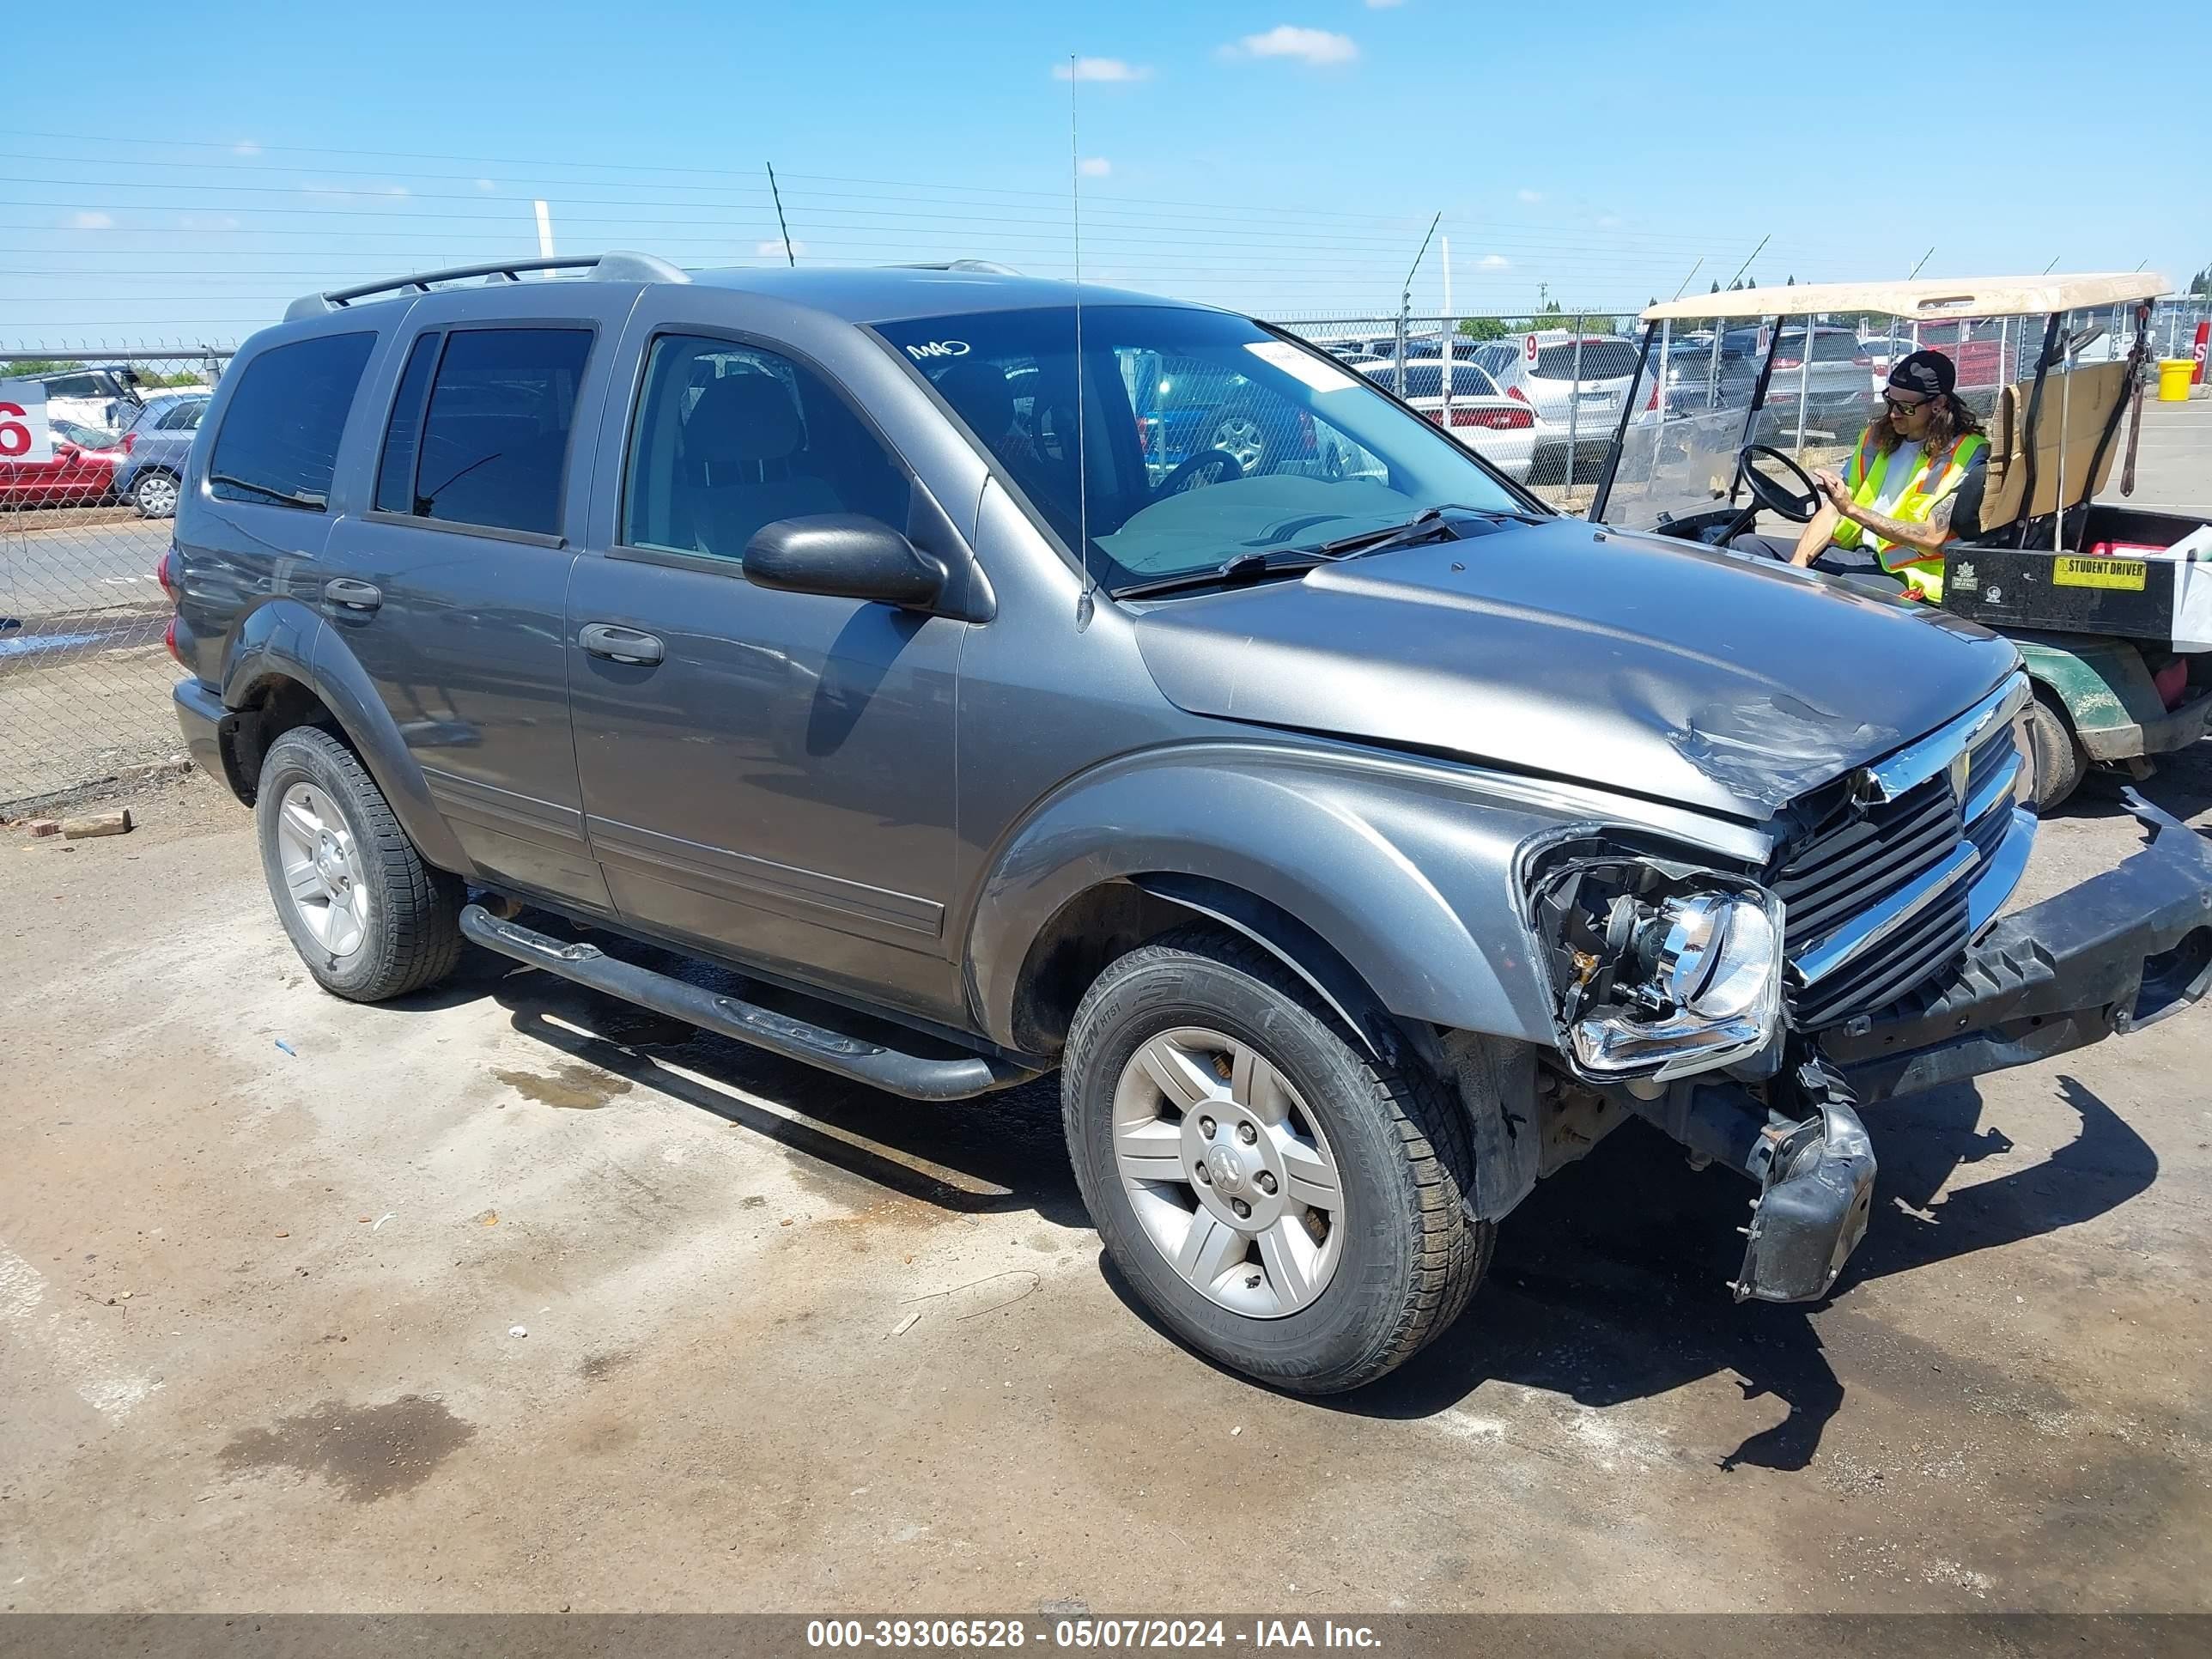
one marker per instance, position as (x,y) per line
(1846,875)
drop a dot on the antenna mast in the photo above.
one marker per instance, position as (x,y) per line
(1087,602)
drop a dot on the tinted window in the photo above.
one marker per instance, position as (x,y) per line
(495,441)
(395,468)
(75,386)
(184,418)
(730,438)
(279,434)
(1602,360)
(1427,381)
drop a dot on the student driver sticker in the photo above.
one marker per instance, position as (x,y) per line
(2128,575)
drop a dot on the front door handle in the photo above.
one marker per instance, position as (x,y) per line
(619,644)
(353,595)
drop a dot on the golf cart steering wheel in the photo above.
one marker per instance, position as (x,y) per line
(1775,496)
(1194,472)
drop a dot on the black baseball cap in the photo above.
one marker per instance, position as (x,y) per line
(1924,374)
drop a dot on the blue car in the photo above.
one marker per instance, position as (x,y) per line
(154,445)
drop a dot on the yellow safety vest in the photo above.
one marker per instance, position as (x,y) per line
(1936,478)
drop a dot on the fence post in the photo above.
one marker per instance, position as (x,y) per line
(1574,408)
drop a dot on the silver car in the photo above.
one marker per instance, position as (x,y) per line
(1358,840)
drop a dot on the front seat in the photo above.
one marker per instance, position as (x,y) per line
(742,444)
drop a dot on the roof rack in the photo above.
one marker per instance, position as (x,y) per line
(603,267)
(988,267)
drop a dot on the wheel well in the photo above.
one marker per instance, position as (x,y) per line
(1108,920)
(277,705)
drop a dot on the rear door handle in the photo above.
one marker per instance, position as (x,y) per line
(353,595)
(619,644)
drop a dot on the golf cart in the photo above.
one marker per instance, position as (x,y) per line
(2111,607)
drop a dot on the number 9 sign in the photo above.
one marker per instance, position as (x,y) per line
(1529,348)
(23,432)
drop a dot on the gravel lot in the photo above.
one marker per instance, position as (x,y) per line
(266,1259)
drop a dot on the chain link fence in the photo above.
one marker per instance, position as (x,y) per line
(85,680)
(84,677)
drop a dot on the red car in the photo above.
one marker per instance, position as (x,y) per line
(81,472)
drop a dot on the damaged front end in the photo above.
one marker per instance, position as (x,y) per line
(1751,1013)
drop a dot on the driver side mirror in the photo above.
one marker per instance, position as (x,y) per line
(844,556)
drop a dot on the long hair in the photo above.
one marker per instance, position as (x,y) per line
(1953,421)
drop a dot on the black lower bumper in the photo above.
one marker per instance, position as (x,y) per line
(2115,953)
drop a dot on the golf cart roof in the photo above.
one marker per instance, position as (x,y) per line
(1954,296)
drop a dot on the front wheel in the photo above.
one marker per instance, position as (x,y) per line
(2061,762)
(1285,1205)
(369,918)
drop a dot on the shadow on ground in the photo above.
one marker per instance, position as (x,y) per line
(1609,1283)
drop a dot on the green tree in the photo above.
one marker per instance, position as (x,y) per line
(1484,328)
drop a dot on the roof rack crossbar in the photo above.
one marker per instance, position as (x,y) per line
(616,267)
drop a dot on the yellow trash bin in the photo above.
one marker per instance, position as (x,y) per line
(2174,374)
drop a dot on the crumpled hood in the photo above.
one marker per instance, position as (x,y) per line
(1635,662)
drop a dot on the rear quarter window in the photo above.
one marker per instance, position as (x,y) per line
(279,441)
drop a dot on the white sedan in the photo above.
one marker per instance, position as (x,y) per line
(1504,430)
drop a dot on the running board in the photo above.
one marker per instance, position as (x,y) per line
(911,1075)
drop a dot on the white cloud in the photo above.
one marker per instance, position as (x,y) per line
(1313,46)
(1493,262)
(774,250)
(90,221)
(1530,194)
(1094,167)
(246,146)
(486,184)
(1101,68)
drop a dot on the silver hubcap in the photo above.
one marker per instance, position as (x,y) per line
(1230,1174)
(1240,436)
(158,495)
(322,870)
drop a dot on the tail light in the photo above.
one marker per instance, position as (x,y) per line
(130,442)
(1787,362)
(1652,401)
(1515,393)
(165,574)
(169,640)
(1494,420)
(1863,360)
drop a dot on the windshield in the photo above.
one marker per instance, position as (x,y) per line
(1204,437)
(1602,360)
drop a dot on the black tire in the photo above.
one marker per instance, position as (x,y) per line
(160,476)
(412,938)
(2061,762)
(1411,1254)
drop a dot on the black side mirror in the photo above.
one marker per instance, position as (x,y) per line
(845,555)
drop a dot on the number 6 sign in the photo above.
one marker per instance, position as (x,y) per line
(24,434)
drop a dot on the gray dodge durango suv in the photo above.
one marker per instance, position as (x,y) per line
(1360,840)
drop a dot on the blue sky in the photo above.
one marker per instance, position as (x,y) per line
(1283,156)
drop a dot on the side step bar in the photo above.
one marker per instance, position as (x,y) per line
(911,1075)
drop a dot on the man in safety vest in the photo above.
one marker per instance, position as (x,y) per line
(1912,483)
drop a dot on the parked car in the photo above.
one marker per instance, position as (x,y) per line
(98,397)
(81,472)
(1502,430)
(1361,840)
(1881,351)
(154,447)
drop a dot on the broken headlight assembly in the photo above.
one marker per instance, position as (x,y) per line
(1660,970)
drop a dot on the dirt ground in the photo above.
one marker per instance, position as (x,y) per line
(512,1298)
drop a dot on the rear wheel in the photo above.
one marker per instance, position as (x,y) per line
(2061,762)
(154,493)
(1283,1203)
(369,918)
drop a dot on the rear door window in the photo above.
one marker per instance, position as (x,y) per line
(185,417)
(495,440)
(279,441)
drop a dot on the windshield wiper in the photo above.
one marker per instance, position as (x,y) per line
(1245,567)
(1425,523)
(285,497)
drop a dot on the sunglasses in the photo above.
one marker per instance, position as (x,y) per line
(1900,406)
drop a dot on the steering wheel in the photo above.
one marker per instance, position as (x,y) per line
(1774,496)
(1192,474)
